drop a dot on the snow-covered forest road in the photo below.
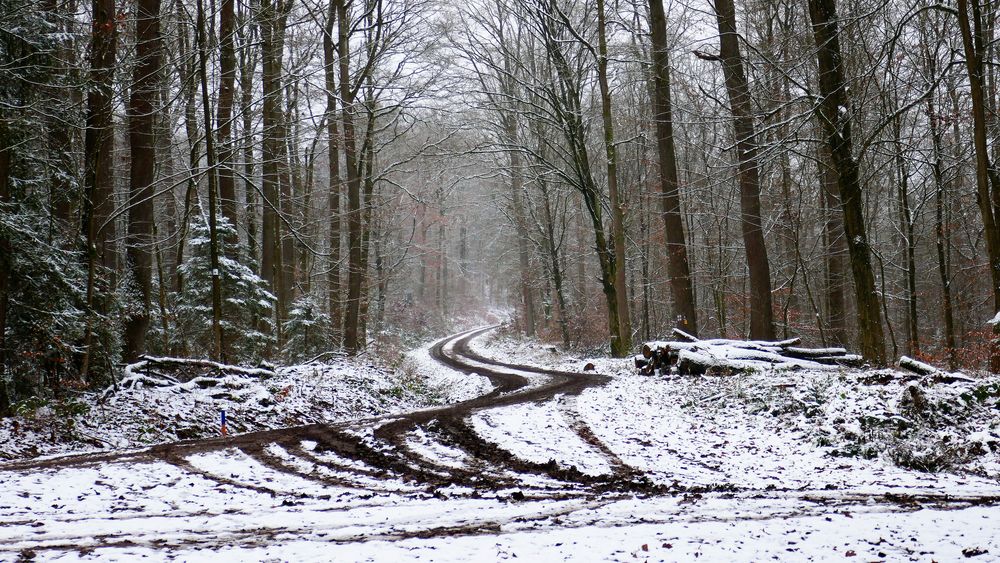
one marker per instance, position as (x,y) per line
(549,464)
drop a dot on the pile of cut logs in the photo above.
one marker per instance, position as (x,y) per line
(692,356)
(182,373)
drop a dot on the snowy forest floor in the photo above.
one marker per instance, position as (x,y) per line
(795,465)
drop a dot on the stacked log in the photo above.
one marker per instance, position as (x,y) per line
(182,373)
(692,356)
(932,374)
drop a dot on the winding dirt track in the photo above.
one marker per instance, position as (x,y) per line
(323,482)
(387,453)
(377,454)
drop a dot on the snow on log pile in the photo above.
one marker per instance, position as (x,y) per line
(936,375)
(184,373)
(692,356)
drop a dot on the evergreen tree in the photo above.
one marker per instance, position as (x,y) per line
(44,304)
(307,330)
(247,306)
(41,298)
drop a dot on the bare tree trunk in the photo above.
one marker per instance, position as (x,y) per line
(941,239)
(63,194)
(98,203)
(761,315)
(835,282)
(517,189)
(247,64)
(224,120)
(368,225)
(623,346)
(686,317)
(569,112)
(271,47)
(5,251)
(555,265)
(139,244)
(186,76)
(287,190)
(218,354)
(833,113)
(354,226)
(335,184)
(974,45)
(906,230)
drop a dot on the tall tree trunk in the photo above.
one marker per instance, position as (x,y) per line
(335,184)
(761,315)
(98,206)
(5,250)
(286,204)
(906,230)
(62,191)
(941,238)
(686,317)
(973,42)
(271,83)
(247,64)
(367,211)
(272,24)
(552,247)
(218,353)
(835,279)
(623,346)
(139,244)
(187,76)
(517,195)
(354,218)
(568,104)
(224,120)
(834,115)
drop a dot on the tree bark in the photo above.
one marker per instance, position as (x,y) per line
(523,259)
(5,163)
(272,25)
(623,346)
(568,106)
(247,64)
(973,43)
(287,190)
(187,77)
(761,314)
(99,141)
(835,278)
(218,354)
(335,184)
(555,264)
(354,275)
(686,317)
(142,140)
(834,116)
(224,120)
(907,232)
(941,238)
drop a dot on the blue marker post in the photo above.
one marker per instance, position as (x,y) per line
(222,429)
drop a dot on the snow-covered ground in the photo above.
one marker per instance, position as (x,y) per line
(337,390)
(769,466)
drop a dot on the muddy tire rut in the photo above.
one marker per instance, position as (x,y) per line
(367,468)
(357,457)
